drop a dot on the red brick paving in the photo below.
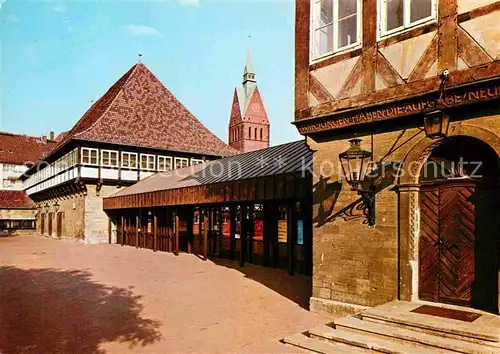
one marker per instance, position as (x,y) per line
(57,296)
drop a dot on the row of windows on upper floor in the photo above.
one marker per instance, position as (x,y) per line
(337,24)
(237,133)
(109,158)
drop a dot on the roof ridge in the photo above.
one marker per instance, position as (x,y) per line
(134,69)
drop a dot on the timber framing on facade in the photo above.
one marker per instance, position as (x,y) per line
(379,90)
(453,42)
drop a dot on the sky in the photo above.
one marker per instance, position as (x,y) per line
(58,57)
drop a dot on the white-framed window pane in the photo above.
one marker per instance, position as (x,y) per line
(395,14)
(125,160)
(151,162)
(347,8)
(326,13)
(132,161)
(113,158)
(324,40)
(144,163)
(420,9)
(85,156)
(347,31)
(105,158)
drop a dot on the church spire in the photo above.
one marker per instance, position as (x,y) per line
(248,73)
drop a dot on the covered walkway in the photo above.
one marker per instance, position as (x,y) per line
(254,207)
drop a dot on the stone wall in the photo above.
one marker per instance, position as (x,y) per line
(96,220)
(353,263)
(72,208)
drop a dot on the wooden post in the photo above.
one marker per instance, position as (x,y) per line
(232,228)
(168,221)
(109,229)
(221,234)
(290,237)
(243,234)
(176,233)
(201,219)
(211,231)
(205,233)
(250,231)
(308,235)
(137,231)
(123,230)
(275,244)
(155,230)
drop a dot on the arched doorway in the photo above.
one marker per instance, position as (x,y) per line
(458,245)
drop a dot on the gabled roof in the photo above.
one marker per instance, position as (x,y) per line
(15,199)
(139,111)
(277,160)
(20,149)
(244,107)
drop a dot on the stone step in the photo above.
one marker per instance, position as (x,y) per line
(482,331)
(356,325)
(369,342)
(318,346)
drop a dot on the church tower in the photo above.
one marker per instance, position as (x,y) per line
(249,128)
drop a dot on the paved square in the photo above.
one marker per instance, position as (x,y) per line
(57,296)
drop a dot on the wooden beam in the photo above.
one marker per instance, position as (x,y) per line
(190,229)
(243,233)
(109,229)
(318,90)
(356,74)
(205,233)
(176,232)
(470,51)
(137,219)
(425,62)
(123,230)
(291,236)
(155,230)
(447,32)
(250,231)
(302,21)
(369,54)
(232,228)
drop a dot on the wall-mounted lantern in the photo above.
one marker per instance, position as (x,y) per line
(354,163)
(436,124)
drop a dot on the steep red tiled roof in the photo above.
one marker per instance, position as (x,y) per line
(256,111)
(15,199)
(20,149)
(139,111)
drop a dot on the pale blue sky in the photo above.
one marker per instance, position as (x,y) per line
(59,56)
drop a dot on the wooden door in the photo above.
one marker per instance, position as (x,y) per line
(448,252)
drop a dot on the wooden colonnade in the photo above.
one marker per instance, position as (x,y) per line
(276,233)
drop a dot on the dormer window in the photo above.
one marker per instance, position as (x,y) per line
(398,15)
(336,26)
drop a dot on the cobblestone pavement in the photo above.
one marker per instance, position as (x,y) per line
(61,297)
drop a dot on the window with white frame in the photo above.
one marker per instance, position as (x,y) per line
(109,158)
(164,163)
(147,162)
(336,26)
(196,161)
(129,159)
(181,162)
(89,156)
(397,15)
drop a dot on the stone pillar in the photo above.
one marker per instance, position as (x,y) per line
(408,236)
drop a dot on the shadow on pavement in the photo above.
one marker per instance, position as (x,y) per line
(53,311)
(297,288)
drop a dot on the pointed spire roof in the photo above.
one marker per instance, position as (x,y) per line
(248,64)
(139,111)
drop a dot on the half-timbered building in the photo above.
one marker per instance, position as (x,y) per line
(137,128)
(411,89)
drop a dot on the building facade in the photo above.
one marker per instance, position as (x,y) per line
(17,154)
(418,83)
(249,127)
(137,128)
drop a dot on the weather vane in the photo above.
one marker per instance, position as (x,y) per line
(139,60)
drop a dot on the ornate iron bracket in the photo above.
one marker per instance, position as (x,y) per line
(368,206)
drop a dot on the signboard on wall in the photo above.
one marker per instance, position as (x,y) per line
(300,232)
(282,231)
(258,230)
